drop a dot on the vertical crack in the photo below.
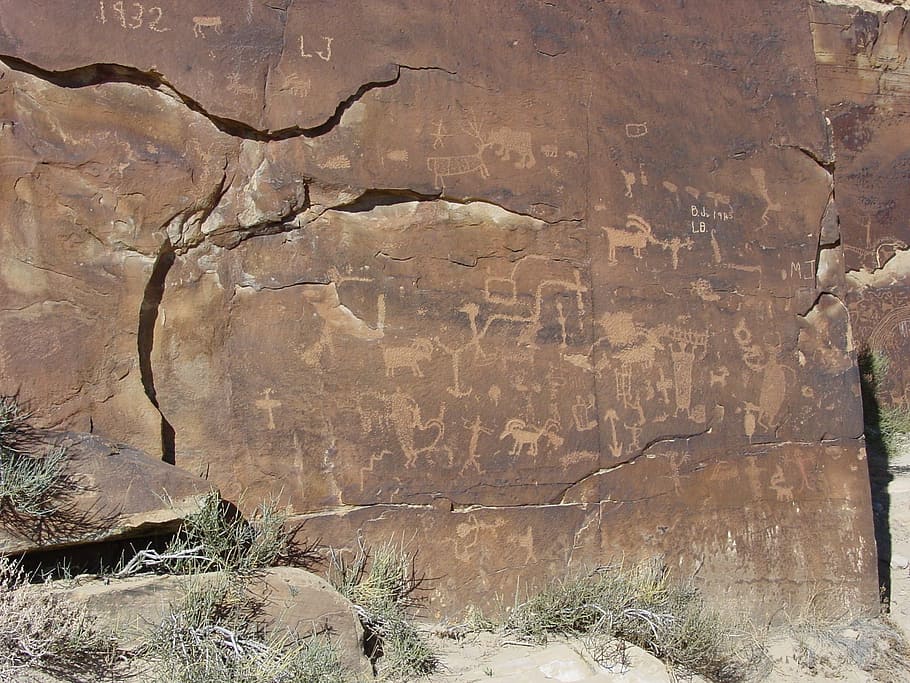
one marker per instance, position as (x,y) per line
(148,316)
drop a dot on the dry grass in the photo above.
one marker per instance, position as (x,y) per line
(43,632)
(381,585)
(31,472)
(214,636)
(638,604)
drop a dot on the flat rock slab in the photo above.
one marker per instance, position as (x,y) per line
(483,658)
(113,492)
(287,599)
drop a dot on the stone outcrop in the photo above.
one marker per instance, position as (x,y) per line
(282,600)
(108,492)
(566,289)
(864,81)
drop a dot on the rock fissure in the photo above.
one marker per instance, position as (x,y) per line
(148,317)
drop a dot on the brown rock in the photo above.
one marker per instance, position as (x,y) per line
(520,298)
(116,492)
(286,599)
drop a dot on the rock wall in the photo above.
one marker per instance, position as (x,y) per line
(523,287)
(864,81)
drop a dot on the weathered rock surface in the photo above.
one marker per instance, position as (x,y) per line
(565,289)
(285,599)
(864,81)
(112,492)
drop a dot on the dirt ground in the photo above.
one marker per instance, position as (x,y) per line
(867,650)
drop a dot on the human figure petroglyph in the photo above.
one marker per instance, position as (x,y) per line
(758,174)
(506,142)
(719,376)
(269,404)
(636,238)
(629,180)
(685,346)
(476,428)
(455,353)
(409,357)
(530,436)
(674,245)
(202,23)
(581,413)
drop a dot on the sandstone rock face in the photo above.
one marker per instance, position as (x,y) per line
(526,287)
(113,492)
(286,599)
(864,80)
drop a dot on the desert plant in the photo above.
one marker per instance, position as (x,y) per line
(381,584)
(213,636)
(41,631)
(31,472)
(217,538)
(638,604)
(885,424)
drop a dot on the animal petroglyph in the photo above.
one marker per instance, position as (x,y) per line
(336,162)
(202,23)
(523,435)
(450,166)
(408,357)
(506,142)
(636,238)
(268,404)
(719,376)
(550,151)
(405,416)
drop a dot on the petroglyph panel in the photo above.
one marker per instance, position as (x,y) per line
(546,303)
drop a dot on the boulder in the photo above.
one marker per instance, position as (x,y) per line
(109,492)
(282,600)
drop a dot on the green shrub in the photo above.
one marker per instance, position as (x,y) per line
(381,586)
(639,605)
(217,538)
(213,636)
(885,424)
(31,473)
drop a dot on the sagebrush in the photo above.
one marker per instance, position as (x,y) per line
(214,636)
(381,584)
(41,631)
(639,604)
(31,471)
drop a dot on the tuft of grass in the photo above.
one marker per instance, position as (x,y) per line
(216,537)
(641,605)
(31,474)
(885,424)
(381,584)
(40,631)
(213,636)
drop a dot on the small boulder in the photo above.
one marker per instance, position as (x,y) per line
(109,492)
